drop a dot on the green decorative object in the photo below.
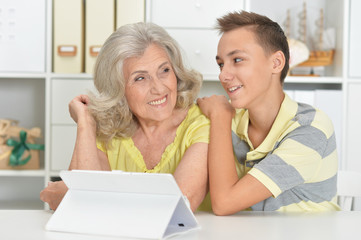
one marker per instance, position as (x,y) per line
(20,148)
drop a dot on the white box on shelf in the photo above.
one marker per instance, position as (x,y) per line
(62,146)
(199,49)
(22,36)
(190,13)
(330,102)
(62,92)
(305,96)
(355,39)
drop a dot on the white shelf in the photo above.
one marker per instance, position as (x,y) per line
(71,76)
(294,79)
(354,80)
(210,78)
(315,80)
(29,204)
(54,173)
(22,173)
(4,75)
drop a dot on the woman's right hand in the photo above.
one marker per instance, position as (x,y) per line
(53,194)
(78,109)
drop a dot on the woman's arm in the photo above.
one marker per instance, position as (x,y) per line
(192,175)
(53,194)
(229,194)
(86,155)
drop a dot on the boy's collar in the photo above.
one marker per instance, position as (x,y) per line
(286,113)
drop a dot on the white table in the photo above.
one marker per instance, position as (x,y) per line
(29,224)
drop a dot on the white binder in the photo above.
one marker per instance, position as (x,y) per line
(68,36)
(99,24)
(140,205)
(129,12)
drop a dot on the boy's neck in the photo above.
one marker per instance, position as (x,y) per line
(262,118)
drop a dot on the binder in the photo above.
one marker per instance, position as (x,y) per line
(129,12)
(68,36)
(99,24)
(126,204)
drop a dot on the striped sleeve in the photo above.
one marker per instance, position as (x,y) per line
(306,154)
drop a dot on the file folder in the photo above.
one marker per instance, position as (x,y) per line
(99,24)
(129,12)
(115,203)
(68,36)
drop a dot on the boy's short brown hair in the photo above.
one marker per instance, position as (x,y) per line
(267,32)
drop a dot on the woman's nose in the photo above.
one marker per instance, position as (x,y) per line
(157,85)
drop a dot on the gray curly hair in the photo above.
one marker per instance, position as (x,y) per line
(109,106)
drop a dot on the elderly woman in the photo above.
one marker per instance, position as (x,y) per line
(143,118)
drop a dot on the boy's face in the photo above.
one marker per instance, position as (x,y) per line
(245,69)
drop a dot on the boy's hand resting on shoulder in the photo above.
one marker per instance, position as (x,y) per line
(216,105)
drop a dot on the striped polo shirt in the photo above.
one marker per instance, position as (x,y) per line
(297,161)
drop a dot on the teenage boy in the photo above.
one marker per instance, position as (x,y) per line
(286,151)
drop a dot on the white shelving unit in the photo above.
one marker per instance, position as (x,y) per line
(191,22)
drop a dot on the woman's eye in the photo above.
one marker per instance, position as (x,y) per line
(138,78)
(164,71)
(220,65)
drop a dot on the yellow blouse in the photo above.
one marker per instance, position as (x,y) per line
(125,156)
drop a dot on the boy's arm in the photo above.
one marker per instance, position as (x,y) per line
(229,194)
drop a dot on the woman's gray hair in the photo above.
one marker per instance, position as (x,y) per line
(109,106)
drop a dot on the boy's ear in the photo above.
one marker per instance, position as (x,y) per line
(278,59)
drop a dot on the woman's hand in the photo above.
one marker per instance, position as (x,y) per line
(215,105)
(78,109)
(53,194)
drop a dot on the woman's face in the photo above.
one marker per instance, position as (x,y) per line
(151,85)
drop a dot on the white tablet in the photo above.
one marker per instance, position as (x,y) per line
(115,203)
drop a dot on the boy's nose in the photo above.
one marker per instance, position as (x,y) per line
(225,75)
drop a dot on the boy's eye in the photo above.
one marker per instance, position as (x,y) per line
(237,60)
(220,65)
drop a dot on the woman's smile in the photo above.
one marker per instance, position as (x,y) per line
(159,102)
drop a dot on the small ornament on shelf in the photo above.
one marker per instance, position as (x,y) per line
(18,149)
(303,24)
(323,47)
(323,55)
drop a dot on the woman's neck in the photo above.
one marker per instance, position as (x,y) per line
(152,139)
(152,129)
